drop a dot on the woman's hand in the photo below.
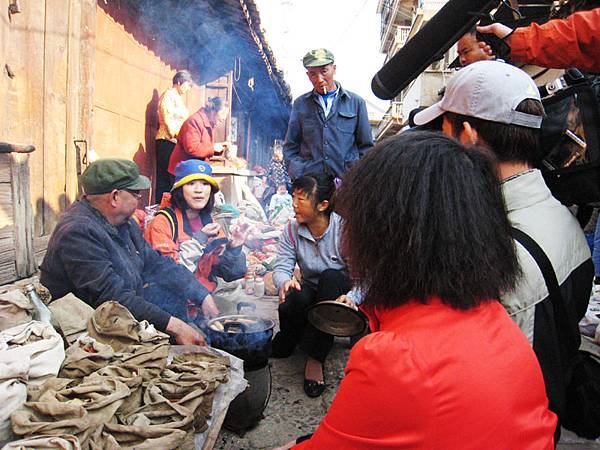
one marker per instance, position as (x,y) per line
(212,229)
(239,232)
(346,301)
(289,284)
(209,309)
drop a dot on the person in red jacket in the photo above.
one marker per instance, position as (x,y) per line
(557,44)
(184,230)
(444,367)
(196,136)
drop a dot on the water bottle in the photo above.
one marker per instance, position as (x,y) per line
(259,287)
(41,312)
(249,285)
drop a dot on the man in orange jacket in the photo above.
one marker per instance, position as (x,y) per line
(557,44)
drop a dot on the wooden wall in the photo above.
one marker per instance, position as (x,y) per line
(130,78)
(46,57)
(70,71)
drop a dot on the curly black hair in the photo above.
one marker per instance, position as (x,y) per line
(425,217)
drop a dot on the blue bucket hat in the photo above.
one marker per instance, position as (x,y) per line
(193,169)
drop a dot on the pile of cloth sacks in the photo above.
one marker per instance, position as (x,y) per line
(112,388)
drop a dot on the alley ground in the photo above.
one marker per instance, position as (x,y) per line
(290,413)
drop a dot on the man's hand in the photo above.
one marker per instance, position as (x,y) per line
(183,333)
(498,29)
(212,229)
(289,284)
(346,301)
(209,309)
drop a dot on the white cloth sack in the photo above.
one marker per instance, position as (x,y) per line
(36,342)
(15,309)
(13,393)
(63,442)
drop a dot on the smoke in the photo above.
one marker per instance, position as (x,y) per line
(212,38)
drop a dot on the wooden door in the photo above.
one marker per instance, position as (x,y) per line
(44,94)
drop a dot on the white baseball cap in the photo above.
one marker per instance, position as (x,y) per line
(489,90)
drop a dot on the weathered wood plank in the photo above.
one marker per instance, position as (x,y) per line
(73,109)
(40,243)
(4,79)
(6,216)
(5,196)
(4,167)
(7,232)
(7,244)
(7,272)
(87,52)
(55,112)
(25,50)
(23,216)
(7,256)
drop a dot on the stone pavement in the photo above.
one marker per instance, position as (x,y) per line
(290,413)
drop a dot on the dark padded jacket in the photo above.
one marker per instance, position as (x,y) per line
(98,262)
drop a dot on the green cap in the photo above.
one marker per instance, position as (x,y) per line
(317,58)
(104,175)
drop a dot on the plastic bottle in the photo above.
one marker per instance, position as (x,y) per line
(41,313)
(259,286)
(249,285)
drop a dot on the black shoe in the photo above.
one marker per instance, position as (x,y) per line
(314,388)
(282,346)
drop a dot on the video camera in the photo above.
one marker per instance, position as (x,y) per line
(570,139)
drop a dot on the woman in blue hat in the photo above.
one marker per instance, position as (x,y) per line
(184,230)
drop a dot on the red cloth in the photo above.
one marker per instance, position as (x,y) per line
(560,44)
(432,377)
(195,140)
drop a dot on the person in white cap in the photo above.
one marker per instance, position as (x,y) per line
(496,105)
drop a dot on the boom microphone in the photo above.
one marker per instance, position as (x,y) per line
(435,38)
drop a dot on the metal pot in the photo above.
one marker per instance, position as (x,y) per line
(246,336)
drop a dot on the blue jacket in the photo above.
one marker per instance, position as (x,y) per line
(316,144)
(97,262)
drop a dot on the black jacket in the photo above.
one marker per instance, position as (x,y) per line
(97,262)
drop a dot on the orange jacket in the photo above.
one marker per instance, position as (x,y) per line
(433,377)
(195,140)
(229,264)
(560,44)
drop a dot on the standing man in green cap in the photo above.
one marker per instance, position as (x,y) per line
(329,126)
(99,254)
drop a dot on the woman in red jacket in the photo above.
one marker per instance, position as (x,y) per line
(444,367)
(196,136)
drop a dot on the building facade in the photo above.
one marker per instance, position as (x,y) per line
(85,74)
(401,20)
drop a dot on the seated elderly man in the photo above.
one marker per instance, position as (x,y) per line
(98,253)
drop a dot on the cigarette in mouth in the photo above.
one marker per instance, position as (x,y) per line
(324,89)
